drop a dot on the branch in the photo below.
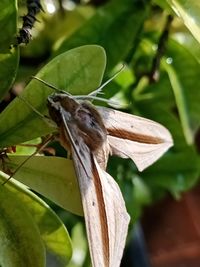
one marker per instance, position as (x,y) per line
(155,69)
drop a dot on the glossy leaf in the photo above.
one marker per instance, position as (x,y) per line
(177,172)
(52,177)
(115,27)
(174,90)
(155,110)
(8,57)
(184,73)
(156,101)
(189,12)
(189,42)
(20,240)
(78,71)
(52,230)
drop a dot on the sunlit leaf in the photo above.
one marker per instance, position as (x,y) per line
(20,240)
(175,89)
(28,148)
(52,230)
(189,42)
(184,72)
(78,71)
(52,177)
(189,12)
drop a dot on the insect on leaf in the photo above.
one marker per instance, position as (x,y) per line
(82,131)
(90,135)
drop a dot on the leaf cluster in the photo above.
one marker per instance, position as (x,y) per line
(73,48)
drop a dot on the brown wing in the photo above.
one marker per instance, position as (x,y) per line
(104,209)
(129,136)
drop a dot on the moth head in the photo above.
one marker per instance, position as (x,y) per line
(68,103)
(54,108)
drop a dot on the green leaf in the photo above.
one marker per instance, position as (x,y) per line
(181,102)
(176,88)
(156,102)
(155,110)
(189,12)
(78,71)
(163,4)
(80,246)
(8,57)
(176,172)
(115,27)
(29,147)
(52,230)
(52,177)
(20,240)
(189,42)
(184,73)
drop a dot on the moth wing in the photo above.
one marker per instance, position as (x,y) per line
(117,216)
(143,155)
(130,136)
(105,213)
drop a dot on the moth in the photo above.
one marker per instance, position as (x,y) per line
(91,134)
(82,131)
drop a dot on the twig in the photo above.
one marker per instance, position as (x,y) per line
(154,73)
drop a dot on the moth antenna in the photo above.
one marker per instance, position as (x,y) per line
(32,155)
(98,90)
(89,97)
(51,86)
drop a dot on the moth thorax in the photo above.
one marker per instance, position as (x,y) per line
(90,123)
(68,103)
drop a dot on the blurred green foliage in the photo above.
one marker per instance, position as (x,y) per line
(158,42)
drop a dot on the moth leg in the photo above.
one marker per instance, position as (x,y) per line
(46,142)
